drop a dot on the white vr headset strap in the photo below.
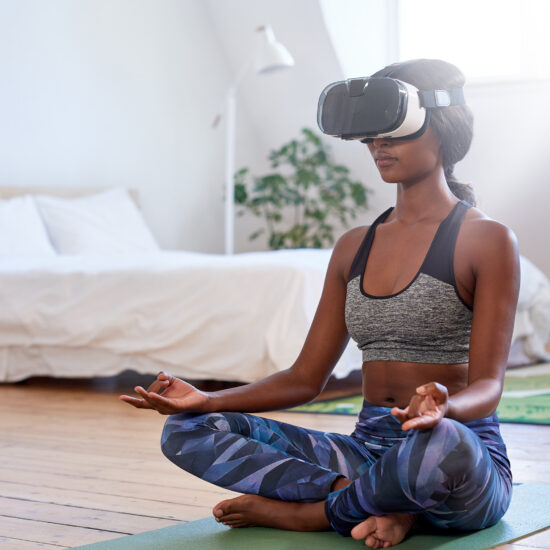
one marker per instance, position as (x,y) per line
(414,117)
(432,99)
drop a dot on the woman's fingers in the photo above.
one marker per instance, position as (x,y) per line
(425,409)
(147,396)
(164,378)
(154,396)
(400,414)
(141,390)
(162,404)
(430,387)
(158,386)
(415,407)
(150,398)
(430,403)
(438,391)
(138,403)
(159,401)
(424,422)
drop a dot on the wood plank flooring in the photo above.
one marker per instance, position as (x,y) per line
(79,466)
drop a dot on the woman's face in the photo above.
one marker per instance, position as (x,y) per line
(410,160)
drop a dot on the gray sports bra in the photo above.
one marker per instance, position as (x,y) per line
(427,321)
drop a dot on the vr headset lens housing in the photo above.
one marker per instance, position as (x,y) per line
(367,108)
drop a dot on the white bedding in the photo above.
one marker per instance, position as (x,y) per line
(532,323)
(199,316)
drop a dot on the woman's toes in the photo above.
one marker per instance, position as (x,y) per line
(231,518)
(221,509)
(364,529)
(233,507)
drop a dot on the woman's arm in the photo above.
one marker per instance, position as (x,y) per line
(495,262)
(495,267)
(303,381)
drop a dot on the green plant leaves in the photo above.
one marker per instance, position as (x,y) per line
(298,200)
(240,193)
(257,233)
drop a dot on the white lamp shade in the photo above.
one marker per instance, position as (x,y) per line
(271,54)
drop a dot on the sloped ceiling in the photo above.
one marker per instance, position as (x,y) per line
(278,104)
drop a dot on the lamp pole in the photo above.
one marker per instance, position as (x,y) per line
(270,56)
(230,138)
(230,147)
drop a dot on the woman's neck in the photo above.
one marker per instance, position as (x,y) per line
(423,200)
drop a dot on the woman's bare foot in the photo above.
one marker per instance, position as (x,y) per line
(383,531)
(257,511)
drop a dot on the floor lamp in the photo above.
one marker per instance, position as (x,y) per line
(269,56)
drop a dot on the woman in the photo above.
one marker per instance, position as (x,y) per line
(429,292)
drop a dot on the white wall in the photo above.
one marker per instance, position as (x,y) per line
(509,162)
(282,103)
(121,92)
(364,42)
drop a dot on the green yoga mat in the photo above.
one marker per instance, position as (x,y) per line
(529,512)
(526,399)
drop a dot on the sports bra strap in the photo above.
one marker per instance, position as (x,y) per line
(361,257)
(439,261)
(440,257)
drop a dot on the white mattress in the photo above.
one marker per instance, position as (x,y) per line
(199,316)
(238,317)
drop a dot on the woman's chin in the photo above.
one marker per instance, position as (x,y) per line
(389,179)
(389,176)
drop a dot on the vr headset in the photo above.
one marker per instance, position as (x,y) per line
(375,107)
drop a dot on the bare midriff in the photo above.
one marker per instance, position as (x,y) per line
(393,383)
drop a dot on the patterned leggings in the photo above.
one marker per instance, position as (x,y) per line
(455,475)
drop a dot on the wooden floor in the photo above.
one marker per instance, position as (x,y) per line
(78,466)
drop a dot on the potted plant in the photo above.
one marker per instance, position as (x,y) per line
(302,197)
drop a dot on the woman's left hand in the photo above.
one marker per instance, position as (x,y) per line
(426,408)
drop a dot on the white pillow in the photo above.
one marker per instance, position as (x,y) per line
(105,223)
(22,232)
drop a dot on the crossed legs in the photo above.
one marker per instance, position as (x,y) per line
(307,480)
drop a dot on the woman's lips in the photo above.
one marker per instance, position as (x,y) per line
(385,162)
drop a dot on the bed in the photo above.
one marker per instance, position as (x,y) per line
(95,296)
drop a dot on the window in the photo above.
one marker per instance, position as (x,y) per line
(486,39)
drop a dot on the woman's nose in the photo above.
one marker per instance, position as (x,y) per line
(380,141)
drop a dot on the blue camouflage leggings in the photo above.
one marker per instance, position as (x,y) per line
(455,475)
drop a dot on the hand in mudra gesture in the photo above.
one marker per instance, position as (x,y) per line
(168,395)
(426,408)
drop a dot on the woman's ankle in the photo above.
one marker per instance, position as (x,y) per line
(340,483)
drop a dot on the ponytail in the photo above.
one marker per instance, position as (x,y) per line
(464,191)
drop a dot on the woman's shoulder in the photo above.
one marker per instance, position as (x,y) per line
(485,235)
(352,238)
(346,248)
(349,243)
(477,221)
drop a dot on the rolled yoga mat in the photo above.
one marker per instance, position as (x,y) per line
(529,512)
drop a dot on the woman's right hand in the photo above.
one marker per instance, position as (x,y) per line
(426,408)
(168,395)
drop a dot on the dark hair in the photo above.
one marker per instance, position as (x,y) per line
(453,125)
